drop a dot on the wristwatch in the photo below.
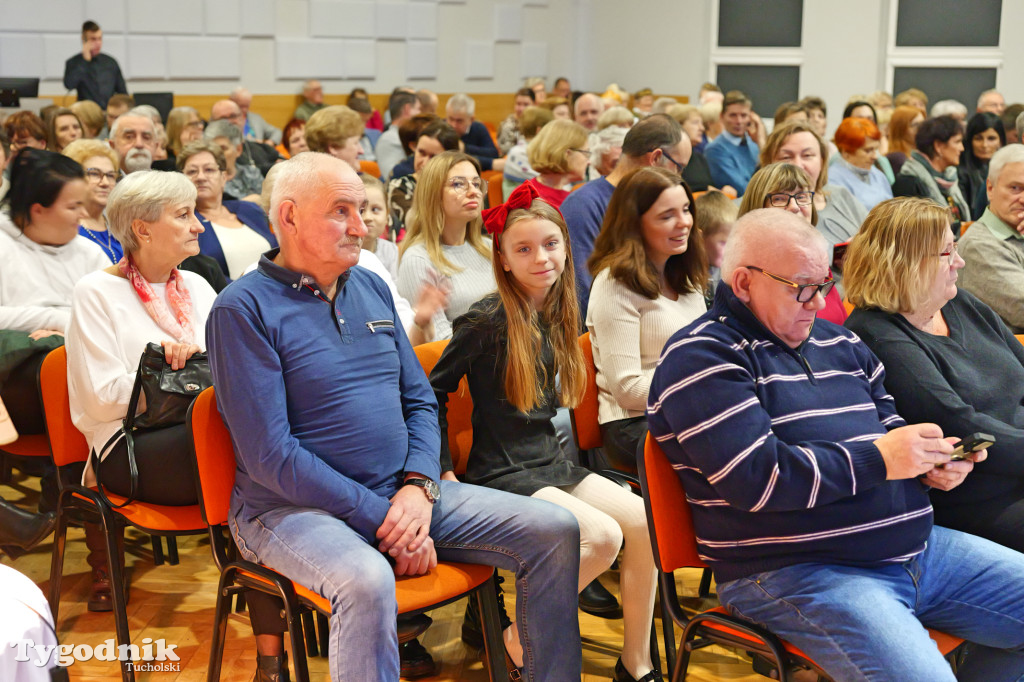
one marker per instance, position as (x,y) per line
(430,489)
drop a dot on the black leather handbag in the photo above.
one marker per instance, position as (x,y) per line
(169,393)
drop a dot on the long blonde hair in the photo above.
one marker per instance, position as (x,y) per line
(425,221)
(525,377)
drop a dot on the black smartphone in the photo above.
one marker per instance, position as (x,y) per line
(973,443)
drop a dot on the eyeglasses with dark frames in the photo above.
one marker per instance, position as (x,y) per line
(782,199)
(804,292)
(680,167)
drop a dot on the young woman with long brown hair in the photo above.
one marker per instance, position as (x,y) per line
(511,345)
(649,277)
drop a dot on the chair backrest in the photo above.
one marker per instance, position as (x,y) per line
(371,168)
(668,512)
(460,407)
(495,190)
(1020,337)
(215,458)
(67,444)
(584,416)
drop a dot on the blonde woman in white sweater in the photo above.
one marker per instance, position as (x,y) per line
(649,280)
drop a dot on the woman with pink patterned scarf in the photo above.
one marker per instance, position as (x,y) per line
(115,313)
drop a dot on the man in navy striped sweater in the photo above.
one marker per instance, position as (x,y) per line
(809,492)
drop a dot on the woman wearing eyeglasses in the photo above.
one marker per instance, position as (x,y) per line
(949,359)
(785,186)
(100,164)
(559,154)
(443,243)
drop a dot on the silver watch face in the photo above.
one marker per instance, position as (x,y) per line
(432,490)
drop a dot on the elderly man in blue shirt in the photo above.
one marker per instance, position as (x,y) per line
(337,442)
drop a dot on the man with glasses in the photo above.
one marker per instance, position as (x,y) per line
(657,140)
(262,156)
(733,155)
(809,492)
(994,247)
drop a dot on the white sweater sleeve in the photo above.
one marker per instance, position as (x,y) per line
(414,270)
(615,327)
(371,262)
(28,318)
(97,379)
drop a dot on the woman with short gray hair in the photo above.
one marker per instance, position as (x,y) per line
(115,313)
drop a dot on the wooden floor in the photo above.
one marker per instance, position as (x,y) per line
(176,603)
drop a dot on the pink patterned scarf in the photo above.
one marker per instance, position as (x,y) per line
(178,324)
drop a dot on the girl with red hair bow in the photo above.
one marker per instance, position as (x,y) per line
(519,351)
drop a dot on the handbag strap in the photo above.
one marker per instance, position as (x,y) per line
(127,429)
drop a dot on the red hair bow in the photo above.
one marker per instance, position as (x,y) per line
(494,218)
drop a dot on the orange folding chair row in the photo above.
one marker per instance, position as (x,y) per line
(675,547)
(69,448)
(370,168)
(215,476)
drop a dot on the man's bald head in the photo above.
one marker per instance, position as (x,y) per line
(587,109)
(227,110)
(243,98)
(764,236)
(776,264)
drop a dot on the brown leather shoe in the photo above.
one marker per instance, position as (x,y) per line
(100,599)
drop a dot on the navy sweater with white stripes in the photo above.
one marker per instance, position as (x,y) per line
(774,446)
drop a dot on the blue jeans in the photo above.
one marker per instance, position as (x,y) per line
(868,623)
(538,541)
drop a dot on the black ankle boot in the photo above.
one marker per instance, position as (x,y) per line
(20,530)
(472,632)
(271,668)
(598,601)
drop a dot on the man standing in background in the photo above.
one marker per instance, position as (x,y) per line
(96,76)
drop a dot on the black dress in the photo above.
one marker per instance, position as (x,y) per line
(511,451)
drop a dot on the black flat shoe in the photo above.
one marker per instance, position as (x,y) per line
(416,661)
(271,668)
(622,675)
(597,601)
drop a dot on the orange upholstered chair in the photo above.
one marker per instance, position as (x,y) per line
(675,547)
(370,168)
(69,447)
(584,416)
(215,476)
(460,407)
(495,189)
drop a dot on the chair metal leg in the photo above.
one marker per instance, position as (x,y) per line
(494,645)
(5,469)
(666,591)
(294,622)
(158,550)
(220,629)
(240,602)
(704,591)
(323,630)
(655,649)
(57,556)
(117,591)
(309,630)
(172,550)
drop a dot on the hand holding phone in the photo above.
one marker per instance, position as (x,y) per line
(971,444)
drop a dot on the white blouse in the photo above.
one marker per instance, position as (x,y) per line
(109,329)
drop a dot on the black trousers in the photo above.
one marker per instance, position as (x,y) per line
(1000,519)
(621,439)
(166,473)
(20,394)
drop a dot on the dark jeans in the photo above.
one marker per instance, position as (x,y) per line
(166,475)
(621,439)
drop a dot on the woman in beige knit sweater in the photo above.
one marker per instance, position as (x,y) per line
(649,280)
